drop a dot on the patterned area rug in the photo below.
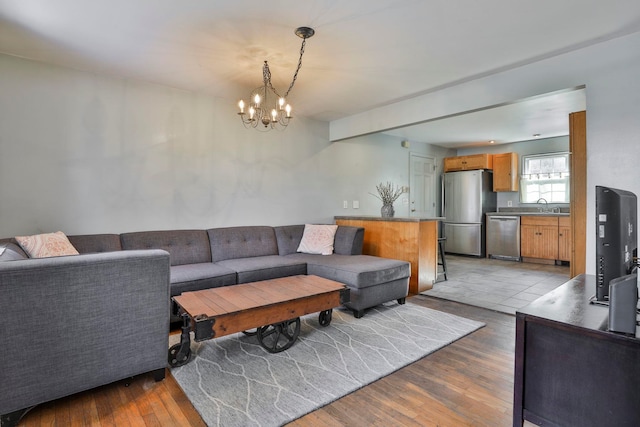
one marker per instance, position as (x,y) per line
(233,381)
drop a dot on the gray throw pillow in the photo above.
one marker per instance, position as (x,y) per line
(11,252)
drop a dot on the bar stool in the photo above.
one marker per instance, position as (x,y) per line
(443,261)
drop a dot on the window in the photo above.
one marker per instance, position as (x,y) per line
(545,176)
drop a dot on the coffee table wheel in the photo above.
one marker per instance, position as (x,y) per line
(279,336)
(250,332)
(325,317)
(178,355)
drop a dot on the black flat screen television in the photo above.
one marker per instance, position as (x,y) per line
(616,239)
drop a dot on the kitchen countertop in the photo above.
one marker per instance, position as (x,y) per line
(527,213)
(393,219)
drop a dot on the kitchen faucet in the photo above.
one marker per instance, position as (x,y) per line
(545,204)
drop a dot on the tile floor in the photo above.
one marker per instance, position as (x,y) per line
(496,284)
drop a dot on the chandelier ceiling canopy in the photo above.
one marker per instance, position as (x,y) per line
(266,109)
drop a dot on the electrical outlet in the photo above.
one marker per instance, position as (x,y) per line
(356,204)
(509,203)
(345,204)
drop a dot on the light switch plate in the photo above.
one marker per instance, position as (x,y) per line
(356,204)
(345,204)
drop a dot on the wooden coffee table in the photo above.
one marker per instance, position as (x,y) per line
(273,307)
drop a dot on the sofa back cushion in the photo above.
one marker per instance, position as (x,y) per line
(348,240)
(288,238)
(184,246)
(242,242)
(96,243)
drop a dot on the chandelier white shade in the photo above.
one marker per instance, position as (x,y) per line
(266,109)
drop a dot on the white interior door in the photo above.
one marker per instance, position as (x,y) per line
(422,186)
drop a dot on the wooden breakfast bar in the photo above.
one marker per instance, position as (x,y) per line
(409,239)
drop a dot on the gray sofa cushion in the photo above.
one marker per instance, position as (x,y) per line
(194,277)
(359,271)
(362,298)
(11,252)
(288,238)
(242,242)
(184,246)
(265,267)
(96,243)
(348,240)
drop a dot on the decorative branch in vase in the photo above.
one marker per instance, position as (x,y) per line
(387,193)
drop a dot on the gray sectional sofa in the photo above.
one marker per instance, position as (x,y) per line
(202,259)
(76,322)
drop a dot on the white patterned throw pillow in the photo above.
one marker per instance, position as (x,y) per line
(46,245)
(318,239)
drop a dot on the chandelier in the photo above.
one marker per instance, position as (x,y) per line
(266,108)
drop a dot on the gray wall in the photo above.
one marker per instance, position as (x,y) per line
(369,160)
(88,153)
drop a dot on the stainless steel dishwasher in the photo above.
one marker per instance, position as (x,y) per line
(503,237)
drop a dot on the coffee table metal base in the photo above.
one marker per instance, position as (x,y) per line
(273,338)
(308,294)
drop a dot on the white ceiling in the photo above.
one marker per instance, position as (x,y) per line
(364,54)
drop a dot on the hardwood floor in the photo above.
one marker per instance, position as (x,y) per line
(143,402)
(469,382)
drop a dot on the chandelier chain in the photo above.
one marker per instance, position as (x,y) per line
(267,72)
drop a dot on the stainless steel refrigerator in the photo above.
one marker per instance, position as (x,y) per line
(467,197)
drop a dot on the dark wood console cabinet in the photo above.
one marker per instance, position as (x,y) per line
(569,370)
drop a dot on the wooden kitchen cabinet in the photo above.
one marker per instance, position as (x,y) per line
(564,238)
(539,237)
(471,162)
(545,237)
(505,172)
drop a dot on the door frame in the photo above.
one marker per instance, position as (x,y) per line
(578,189)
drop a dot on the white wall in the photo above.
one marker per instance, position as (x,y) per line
(610,71)
(86,153)
(369,160)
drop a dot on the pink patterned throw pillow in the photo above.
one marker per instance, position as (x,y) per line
(46,245)
(318,239)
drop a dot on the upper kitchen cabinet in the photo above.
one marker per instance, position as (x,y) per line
(471,162)
(505,172)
